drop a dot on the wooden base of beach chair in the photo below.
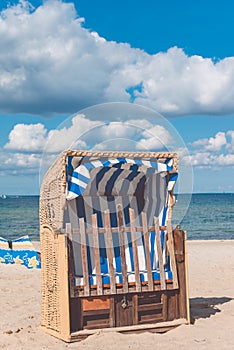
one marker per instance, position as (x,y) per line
(124,310)
(160,327)
(72,318)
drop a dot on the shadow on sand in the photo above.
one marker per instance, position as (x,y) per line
(206,307)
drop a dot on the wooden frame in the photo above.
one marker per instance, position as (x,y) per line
(73,313)
(125,287)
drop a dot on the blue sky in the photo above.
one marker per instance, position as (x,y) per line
(58,57)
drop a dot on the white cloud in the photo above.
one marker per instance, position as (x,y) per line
(214,152)
(29,144)
(70,136)
(201,159)
(35,138)
(80,132)
(27,137)
(213,143)
(130,135)
(230,145)
(209,160)
(155,137)
(63,67)
(19,163)
(227,159)
(115,130)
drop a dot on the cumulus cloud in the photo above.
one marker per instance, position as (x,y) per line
(209,160)
(64,67)
(230,136)
(27,137)
(35,138)
(69,136)
(30,144)
(225,159)
(80,132)
(155,137)
(213,152)
(213,143)
(19,163)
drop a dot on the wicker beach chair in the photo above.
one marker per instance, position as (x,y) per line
(110,258)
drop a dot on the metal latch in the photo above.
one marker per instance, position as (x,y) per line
(124,303)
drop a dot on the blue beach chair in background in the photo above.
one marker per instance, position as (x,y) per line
(19,251)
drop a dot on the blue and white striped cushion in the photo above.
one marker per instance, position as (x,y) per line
(80,177)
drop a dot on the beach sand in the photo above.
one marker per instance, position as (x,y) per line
(211,285)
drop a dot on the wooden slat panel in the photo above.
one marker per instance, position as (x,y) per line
(75,313)
(150,319)
(81,315)
(110,252)
(97,323)
(171,250)
(96,312)
(112,312)
(84,257)
(186,277)
(96,303)
(96,254)
(173,307)
(116,229)
(106,291)
(134,250)
(160,256)
(122,249)
(180,251)
(164,306)
(147,252)
(135,315)
(150,307)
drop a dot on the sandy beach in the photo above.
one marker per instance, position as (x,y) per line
(211,285)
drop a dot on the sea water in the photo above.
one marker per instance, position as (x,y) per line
(19,216)
(209,216)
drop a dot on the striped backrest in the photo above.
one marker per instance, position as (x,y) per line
(101,185)
(78,178)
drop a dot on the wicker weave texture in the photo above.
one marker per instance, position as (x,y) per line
(52,197)
(50,303)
